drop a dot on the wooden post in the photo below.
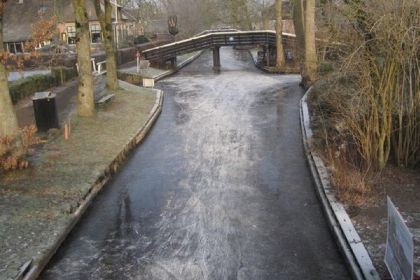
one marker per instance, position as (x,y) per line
(138,61)
(216,58)
(67,130)
(173,62)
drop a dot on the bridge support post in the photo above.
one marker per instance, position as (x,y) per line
(173,62)
(216,58)
(268,55)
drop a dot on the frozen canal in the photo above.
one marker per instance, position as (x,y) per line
(219,189)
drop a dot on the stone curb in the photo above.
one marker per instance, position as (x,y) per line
(178,67)
(259,66)
(347,238)
(40,263)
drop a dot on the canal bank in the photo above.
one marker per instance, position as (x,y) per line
(40,206)
(227,195)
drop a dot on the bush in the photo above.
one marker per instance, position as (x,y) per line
(381,57)
(13,150)
(141,40)
(130,78)
(64,74)
(325,68)
(26,87)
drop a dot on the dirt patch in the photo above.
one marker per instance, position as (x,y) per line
(368,210)
(403,187)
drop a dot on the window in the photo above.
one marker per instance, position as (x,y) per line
(71,34)
(95,33)
(19,48)
(11,47)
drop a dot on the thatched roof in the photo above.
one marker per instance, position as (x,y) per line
(67,13)
(18,18)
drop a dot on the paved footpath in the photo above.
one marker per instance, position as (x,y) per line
(219,190)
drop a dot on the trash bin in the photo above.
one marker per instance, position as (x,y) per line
(45,110)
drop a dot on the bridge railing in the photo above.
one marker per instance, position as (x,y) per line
(210,40)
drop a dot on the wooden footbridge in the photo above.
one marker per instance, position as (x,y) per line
(214,40)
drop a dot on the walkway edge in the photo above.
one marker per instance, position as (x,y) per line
(347,238)
(101,181)
(178,67)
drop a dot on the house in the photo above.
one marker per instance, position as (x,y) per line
(21,14)
(158,28)
(269,18)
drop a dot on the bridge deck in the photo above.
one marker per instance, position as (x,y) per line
(215,39)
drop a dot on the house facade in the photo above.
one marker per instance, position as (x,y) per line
(21,14)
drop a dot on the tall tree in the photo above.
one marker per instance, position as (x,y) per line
(280,61)
(9,125)
(299,24)
(310,64)
(239,14)
(265,15)
(265,19)
(105,20)
(86,103)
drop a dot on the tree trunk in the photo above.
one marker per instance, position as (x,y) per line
(310,64)
(9,125)
(105,19)
(279,30)
(86,102)
(298,22)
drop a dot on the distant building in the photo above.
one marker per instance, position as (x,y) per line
(19,16)
(269,18)
(158,28)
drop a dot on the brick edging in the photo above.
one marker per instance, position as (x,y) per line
(100,182)
(178,67)
(347,238)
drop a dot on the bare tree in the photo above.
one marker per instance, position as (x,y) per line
(299,23)
(265,16)
(310,64)
(239,14)
(147,10)
(86,103)
(194,16)
(105,20)
(279,30)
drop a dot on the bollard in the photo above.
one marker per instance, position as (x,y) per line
(138,61)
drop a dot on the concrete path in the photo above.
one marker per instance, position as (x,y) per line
(219,190)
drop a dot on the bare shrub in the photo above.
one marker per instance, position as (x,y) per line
(350,181)
(14,149)
(335,145)
(381,59)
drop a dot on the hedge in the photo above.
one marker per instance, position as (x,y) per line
(130,78)
(25,87)
(141,40)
